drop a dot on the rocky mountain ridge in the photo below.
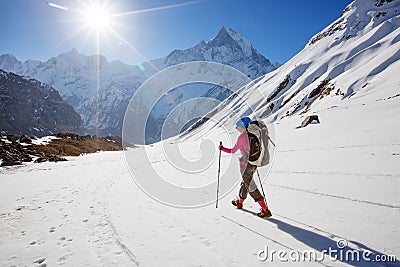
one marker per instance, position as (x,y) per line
(28,106)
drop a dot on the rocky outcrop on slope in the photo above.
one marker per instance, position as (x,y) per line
(14,149)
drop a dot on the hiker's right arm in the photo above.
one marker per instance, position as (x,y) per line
(241,142)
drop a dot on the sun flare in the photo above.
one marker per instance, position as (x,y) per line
(98,18)
(101,18)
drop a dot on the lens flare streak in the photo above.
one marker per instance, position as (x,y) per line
(153,9)
(57,6)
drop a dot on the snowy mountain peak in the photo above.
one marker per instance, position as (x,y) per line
(227,47)
(73,52)
(232,33)
(72,56)
(222,37)
(8,57)
(226,36)
(358,17)
(8,61)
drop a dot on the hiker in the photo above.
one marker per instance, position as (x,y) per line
(247,170)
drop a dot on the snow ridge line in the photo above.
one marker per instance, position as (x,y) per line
(340,197)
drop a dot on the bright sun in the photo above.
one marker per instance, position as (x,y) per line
(98,18)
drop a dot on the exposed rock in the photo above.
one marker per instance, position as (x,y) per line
(18,149)
(55,158)
(281,86)
(337,26)
(40,160)
(322,90)
(25,139)
(12,138)
(323,85)
(379,3)
(10,163)
(309,120)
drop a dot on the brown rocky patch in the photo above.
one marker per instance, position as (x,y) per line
(17,149)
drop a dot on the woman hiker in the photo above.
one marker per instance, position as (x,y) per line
(247,170)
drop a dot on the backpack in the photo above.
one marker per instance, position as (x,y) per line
(258,136)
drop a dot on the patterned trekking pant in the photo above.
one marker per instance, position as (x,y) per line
(248,186)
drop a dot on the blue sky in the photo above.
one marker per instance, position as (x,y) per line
(33,29)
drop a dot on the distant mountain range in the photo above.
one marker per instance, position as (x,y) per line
(101,100)
(28,106)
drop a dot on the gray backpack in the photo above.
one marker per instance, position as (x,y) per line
(258,142)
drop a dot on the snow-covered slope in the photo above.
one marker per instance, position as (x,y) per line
(99,90)
(329,182)
(354,57)
(320,190)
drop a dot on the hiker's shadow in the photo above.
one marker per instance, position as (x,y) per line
(322,244)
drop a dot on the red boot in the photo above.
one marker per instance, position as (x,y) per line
(265,213)
(238,203)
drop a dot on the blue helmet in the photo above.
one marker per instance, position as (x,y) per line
(243,122)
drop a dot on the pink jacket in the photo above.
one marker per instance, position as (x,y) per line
(242,143)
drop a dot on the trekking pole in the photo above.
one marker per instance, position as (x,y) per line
(262,189)
(219,170)
(271,141)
